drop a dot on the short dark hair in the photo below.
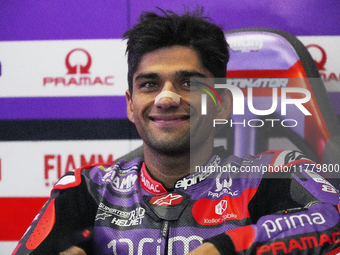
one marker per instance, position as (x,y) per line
(191,29)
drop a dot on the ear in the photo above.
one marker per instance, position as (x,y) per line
(129,106)
(227,103)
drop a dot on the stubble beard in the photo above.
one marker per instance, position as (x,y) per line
(170,146)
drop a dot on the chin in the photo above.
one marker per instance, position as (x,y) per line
(173,147)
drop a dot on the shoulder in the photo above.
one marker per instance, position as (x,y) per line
(97,172)
(285,157)
(307,181)
(270,157)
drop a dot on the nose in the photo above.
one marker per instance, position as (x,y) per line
(168,97)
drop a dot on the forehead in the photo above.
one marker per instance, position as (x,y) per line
(169,60)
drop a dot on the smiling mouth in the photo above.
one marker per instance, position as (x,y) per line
(169,117)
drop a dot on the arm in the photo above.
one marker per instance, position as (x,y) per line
(65,220)
(294,215)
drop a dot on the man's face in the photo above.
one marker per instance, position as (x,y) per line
(165,125)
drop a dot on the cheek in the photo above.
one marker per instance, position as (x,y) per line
(208,107)
(137,110)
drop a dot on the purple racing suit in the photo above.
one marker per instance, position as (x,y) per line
(274,203)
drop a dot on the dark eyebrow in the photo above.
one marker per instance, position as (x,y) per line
(178,74)
(189,73)
(147,76)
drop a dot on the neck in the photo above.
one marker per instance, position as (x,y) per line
(169,168)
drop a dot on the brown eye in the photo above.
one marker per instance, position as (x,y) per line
(148,85)
(187,83)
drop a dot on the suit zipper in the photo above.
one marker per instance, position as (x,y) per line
(165,235)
